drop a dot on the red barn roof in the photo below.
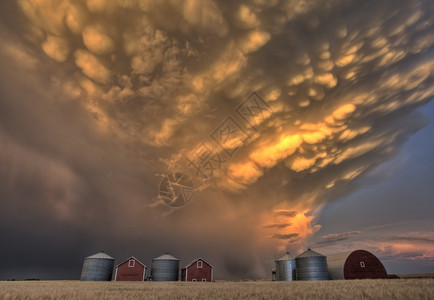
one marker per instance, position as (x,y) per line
(195,260)
(132,257)
(198,270)
(130,270)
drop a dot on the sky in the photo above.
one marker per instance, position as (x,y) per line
(229,130)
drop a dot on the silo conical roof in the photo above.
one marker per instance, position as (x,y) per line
(309,253)
(287,256)
(100,255)
(97,267)
(166,256)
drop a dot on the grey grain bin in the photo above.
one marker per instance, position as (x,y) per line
(165,268)
(285,268)
(97,267)
(311,265)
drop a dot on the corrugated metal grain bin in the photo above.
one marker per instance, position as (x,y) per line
(359,264)
(285,268)
(97,267)
(311,265)
(165,268)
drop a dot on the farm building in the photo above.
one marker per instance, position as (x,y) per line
(285,268)
(311,265)
(165,268)
(198,270)
(97,267)
(130,270)
(359,264)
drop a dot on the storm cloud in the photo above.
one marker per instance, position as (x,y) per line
(336,237)
(272,109)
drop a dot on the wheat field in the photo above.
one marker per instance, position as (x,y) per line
(354,289)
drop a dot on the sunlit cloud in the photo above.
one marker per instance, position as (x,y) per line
(56,48)
(155,80)
(97,41)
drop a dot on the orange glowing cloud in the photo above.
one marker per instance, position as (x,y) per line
(56,48)
(96,40)
(92,66)
(268,154)
(255,40)
(245,173)
(289,227)
(167,74)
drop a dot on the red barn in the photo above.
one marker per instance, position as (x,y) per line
(198,270)
(359,264)
(130,270)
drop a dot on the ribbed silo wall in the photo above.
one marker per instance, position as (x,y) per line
(285,270)
(97,269)
(335,265)
(165,270)
(311,268)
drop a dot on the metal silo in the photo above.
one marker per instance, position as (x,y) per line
(165,268)
(311,265)
(285,268)
(97,267)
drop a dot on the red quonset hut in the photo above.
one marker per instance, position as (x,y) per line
(359,264)
(198,270)
(130,270)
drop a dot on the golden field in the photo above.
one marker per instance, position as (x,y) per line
(354,289)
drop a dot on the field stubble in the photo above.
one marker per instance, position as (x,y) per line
(354,289)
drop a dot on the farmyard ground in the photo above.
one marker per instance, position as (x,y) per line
(355,289)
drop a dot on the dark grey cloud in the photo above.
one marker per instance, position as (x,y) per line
(333,238)
(415,238)
(283,225)
(285,236)
(286,213)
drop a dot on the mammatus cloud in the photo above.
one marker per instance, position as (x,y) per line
(159,86)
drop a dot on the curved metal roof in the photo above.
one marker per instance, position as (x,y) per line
(287,256)
(309,253)
(339,257)
(100,255)
(166,256)
(347,265)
